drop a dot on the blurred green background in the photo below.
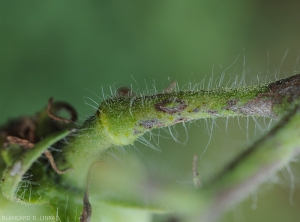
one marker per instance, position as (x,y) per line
(76,49)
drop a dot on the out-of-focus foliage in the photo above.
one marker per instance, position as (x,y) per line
(61,48)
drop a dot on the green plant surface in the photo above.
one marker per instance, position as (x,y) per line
(81,51)
(122,120)
(13,174)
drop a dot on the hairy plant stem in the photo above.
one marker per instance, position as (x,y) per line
(120,121)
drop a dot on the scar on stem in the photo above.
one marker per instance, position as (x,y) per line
(58,106)
(196,178)
(164,106)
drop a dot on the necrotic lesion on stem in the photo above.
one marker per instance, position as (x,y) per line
(121,120)
(126,118)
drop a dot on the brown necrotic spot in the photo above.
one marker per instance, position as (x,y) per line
(230,104)
(149,124)
(288,88)
(181,119)
(256,106)
(171,106)
(212,112)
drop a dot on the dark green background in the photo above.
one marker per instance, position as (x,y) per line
(71,49)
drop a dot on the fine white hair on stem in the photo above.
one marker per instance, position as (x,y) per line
(154,87)
(280,65)
(186,133)
(138,88)
(147,142)
(241,128)
(51,148)
(130,105)
(210,136)
(24,187)
(257,123)
(146,85)
(174,136)
(143,156)
(154,137)
(94,104)
(95,94)
(112,152)
(292,187)
(247,129)
(297,64)
(225,70)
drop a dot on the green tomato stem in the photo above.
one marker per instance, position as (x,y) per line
(122,120)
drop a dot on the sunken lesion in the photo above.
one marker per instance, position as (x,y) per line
(181,119)
(231,102)
(212,112)
(288,88)
(282,92)
(257,106)
(171,106)
(151,123)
